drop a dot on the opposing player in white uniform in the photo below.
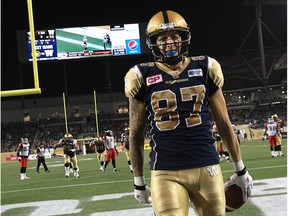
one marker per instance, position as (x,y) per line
(271,129)
(85,43)
(23,154)
(110,150)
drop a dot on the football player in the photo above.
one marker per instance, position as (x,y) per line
(172,93)
(271,129)
(23,154)
(278,149)
(125,145)
(100,151)
(237,132)
(106,41)
(221,148)
(110,150)
(85,43)
(69,146)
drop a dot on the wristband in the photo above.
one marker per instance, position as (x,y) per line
(238,166)
(139,180)
(242,172)
(136,187)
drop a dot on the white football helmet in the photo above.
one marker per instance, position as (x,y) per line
(270,120)
(25,140)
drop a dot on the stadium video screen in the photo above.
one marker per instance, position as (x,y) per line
(85,42)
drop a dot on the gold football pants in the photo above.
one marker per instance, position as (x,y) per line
(73,160)
(172,190)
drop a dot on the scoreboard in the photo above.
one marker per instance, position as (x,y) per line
(45,45)
(85,42)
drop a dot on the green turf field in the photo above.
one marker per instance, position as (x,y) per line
(97,193)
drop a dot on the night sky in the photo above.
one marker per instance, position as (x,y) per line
(218,28)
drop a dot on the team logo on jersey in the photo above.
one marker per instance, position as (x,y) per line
(132,44)
(195,72)
(154,79)
(213,170)
(176,75)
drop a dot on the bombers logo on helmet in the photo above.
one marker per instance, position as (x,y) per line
(167,25)
(132,44)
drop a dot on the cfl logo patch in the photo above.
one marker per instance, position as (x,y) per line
(212,170)
(154,79)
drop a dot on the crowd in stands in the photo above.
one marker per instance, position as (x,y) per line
(258,115)
(51,130)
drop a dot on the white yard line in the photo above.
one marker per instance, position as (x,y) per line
(269,195)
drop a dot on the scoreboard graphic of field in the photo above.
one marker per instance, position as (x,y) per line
(85,42)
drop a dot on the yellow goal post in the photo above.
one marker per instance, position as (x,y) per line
(36,89)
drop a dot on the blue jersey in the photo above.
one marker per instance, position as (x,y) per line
(176,103)
(68,146)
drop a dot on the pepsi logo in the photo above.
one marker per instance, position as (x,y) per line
(132,44)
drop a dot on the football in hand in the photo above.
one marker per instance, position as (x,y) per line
(234,198)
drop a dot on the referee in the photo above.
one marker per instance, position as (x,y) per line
(41,158)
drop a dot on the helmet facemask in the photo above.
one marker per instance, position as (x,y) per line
(168,57)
